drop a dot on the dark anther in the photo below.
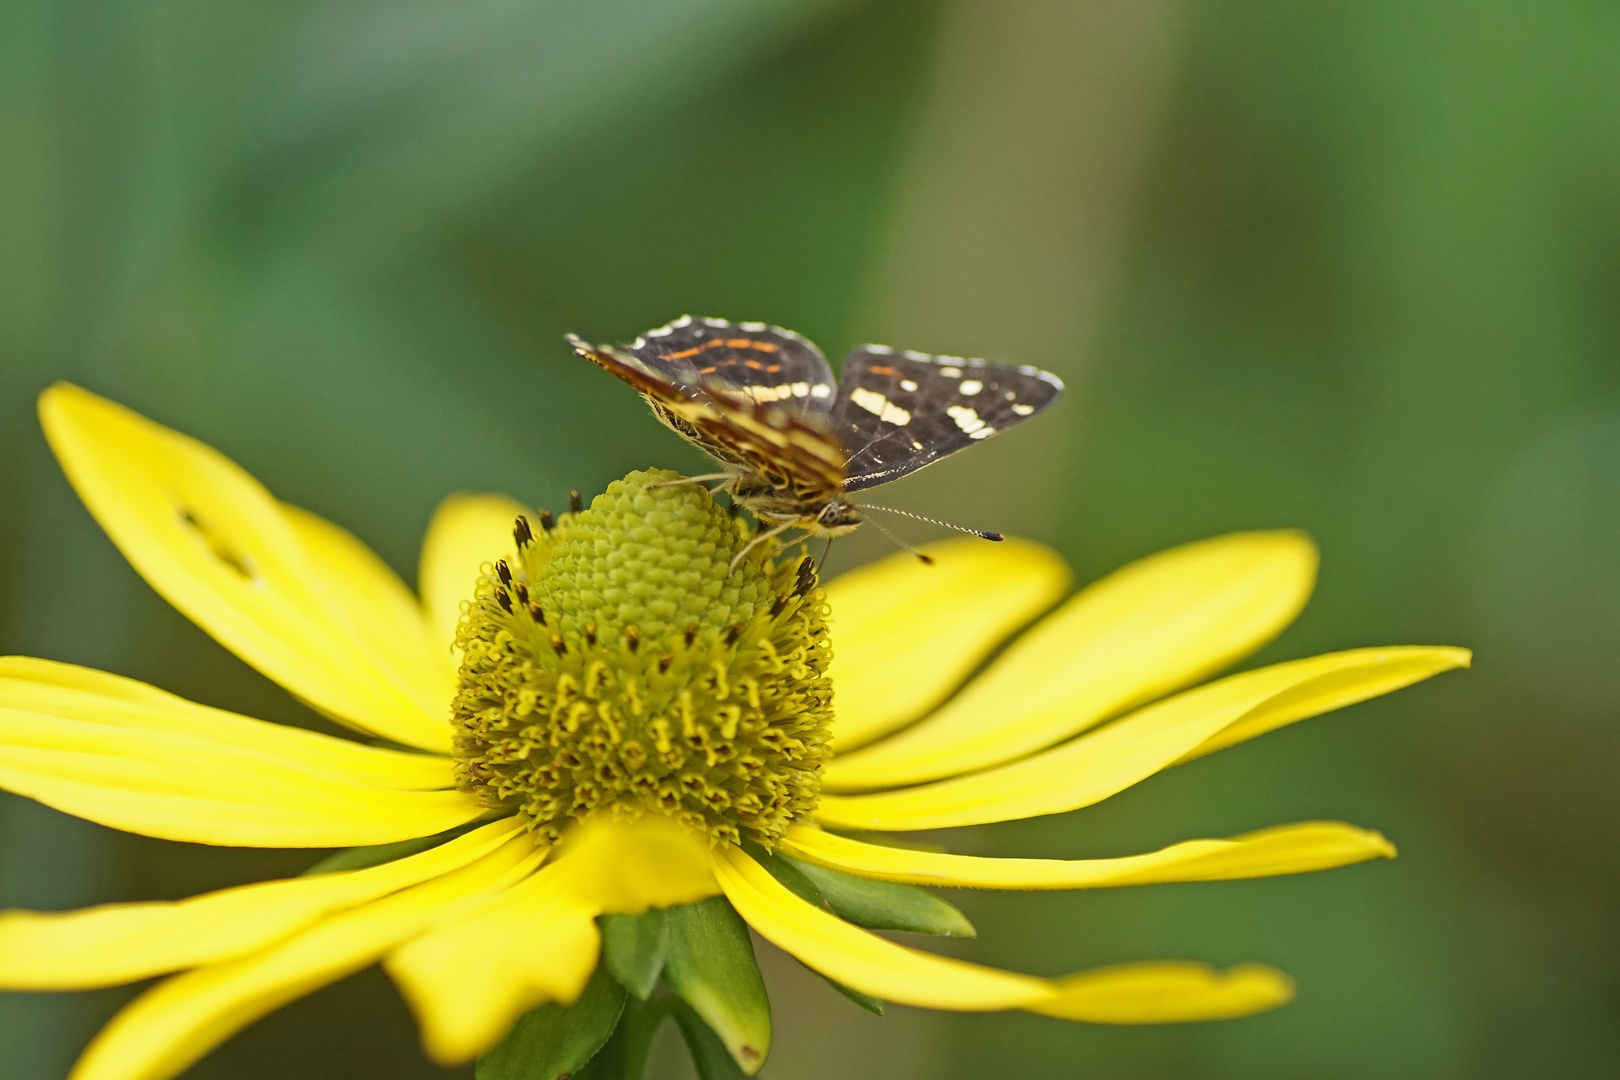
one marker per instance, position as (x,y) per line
(691,633)
(547,522)
(503,571)
(733,634)
(504,600)
(807,577)
(522,592)
(776,608)
(521,532)
(664,662)
(927,560)
(574,505)
(590,633)
(558,645)
(632,638)
(536,614)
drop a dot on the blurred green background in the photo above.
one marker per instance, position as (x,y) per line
(1353,267)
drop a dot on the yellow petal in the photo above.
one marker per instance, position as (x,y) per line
(78,693)
(861,959)
(1156,625)
(1285,849)
(1160,992)
(119,943)
(466,996)
(211,802)
(907,634)
(467,531)
(1168,992)
(217,546)
(1102,763)
(377,609)
(179,1020)
(1288,710)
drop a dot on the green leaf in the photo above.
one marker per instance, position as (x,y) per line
(626,1053)
(358,858)
(709,1052)
(868,902)
(711,966)
(633,948)
(554,1041)
(866,1001)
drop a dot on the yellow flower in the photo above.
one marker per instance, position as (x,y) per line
(504,914)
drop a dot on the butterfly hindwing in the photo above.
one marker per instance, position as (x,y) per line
(899,411)
(761,363)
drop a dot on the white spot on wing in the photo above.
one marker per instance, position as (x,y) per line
(870,400)
(878,350)
(951,372)
(752,327)
(718,324)
(800,389)
(966,418)
(880,407)
(1023,410)
(971,386)
(908,386)
(820,390)
(982,433)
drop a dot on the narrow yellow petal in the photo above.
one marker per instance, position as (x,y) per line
(466,996)
(1168,992)
(183,800)
(861,959)
(217,546)
(78,693)
(377,610)
(1159,992)
(466,532)
(1094,766)
(1285,849)
(907,633)
(1303,705)
(119,943)
(179,1020)
(1152,627)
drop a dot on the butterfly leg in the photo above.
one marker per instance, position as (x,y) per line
(759,539)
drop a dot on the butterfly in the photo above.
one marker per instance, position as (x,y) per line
(793,442)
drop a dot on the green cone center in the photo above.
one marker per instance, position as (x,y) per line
(611,664)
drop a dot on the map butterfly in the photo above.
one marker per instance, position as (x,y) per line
(793,442)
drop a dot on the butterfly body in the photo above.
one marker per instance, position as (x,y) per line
(792,441)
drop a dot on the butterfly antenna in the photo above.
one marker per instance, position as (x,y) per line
(825,551)
(980,533)
(902,545)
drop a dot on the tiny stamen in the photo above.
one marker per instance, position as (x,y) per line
(522,535)
(574,503)
(547,522)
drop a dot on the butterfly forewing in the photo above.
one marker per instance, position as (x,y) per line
(763,364)
(899,411)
